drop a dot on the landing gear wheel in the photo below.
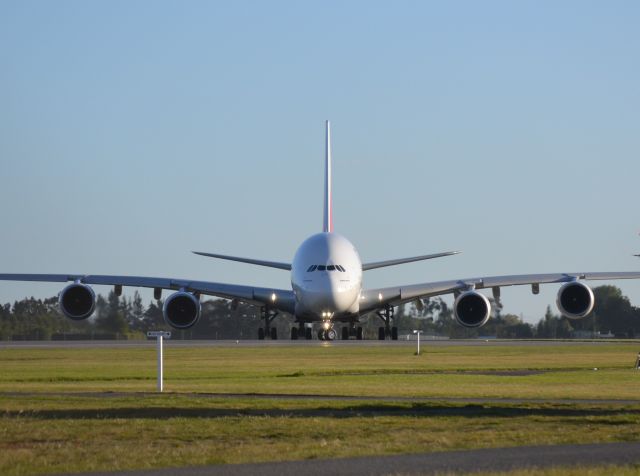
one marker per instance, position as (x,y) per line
(294,333)
(345,333)
(307,333)
(386,315)
(321,334)
(394,333)
(359,335)
(330,334)
(267,331)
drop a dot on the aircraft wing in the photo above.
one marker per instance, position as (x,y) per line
(393,262)
(372,299)
(259,262)
(277,298)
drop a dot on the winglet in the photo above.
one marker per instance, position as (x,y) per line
(327,225)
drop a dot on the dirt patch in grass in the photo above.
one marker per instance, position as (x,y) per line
(505,373)
(499,373)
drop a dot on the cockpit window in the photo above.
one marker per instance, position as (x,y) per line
(328,267)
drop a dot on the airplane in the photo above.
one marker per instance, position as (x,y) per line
(326,287)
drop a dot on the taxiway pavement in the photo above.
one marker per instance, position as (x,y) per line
(459,462)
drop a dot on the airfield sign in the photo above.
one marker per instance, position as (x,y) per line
(165,334)
(160,336)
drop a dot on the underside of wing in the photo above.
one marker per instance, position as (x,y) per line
(372,299)
(276,298)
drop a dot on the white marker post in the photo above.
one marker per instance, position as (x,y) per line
(418,334)
(159,335)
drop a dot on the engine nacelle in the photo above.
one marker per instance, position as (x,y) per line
(472,309)
(77,301)
(575,300)
(181,310)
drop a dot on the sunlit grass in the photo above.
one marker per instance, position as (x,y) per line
(75,409)
(566,371)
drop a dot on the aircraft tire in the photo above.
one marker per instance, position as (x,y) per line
(307,333)
(321,334)
(330,334)
(294,333)
(359,334)
(345,333)
(261,334)
(381,333)
(394,333)
(274,333)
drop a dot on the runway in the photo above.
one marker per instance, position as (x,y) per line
(469,461)
(300,343)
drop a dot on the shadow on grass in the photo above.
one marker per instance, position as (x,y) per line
(360,410)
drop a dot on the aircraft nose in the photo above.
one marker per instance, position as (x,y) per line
(331,294)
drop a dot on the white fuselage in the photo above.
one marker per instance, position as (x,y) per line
(326,277)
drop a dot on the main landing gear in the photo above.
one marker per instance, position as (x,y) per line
(268,315)
(352,332)
(301,332)
(387,331)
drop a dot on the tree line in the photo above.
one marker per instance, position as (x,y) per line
(121,317)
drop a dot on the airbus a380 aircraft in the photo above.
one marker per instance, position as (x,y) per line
(326,281)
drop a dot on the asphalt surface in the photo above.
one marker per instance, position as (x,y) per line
(298,343)
(459,462)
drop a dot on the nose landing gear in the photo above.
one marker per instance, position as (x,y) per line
(327,334)
(301,332)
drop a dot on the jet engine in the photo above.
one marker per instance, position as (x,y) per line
(471,309)
(575,300)
(181,310)
(77,301)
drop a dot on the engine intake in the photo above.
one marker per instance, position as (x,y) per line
(181,310)
(471,309)
(77,301)
(575,300)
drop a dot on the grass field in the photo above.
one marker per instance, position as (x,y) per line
(79,409)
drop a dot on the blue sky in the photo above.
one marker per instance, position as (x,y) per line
(134,132)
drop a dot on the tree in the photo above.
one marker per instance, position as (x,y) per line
(613,312)
(153,318)
(553,326)
(137,313)
(110,317)
(513,327)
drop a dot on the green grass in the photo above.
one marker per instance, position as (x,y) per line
(54,416)
(442,371)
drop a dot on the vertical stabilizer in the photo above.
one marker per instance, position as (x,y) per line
(327,225)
